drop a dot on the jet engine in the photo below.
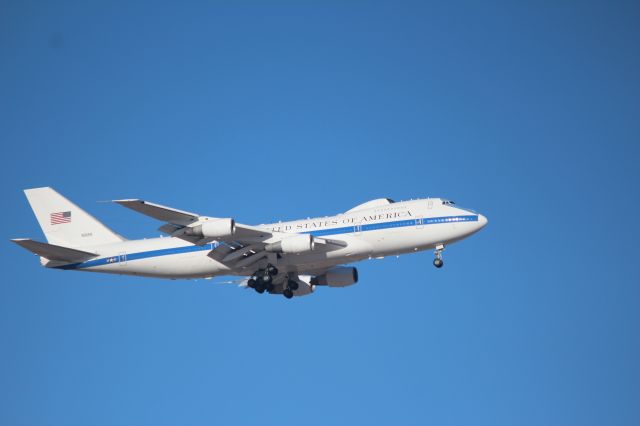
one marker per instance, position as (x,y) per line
(292,245)
(340,276)
(220,228)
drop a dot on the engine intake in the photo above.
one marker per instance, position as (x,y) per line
(340,276)
(220,228)
(292,245)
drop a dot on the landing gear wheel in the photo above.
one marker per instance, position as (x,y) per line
(259,285)
(437,262)
(272,270)
(293,285)
(287,293)
(251,283)
(266,278)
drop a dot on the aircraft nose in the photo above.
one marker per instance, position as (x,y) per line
(482,221)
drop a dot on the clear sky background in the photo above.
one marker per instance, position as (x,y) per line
(525,111)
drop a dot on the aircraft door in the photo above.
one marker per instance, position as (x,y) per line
(357,228)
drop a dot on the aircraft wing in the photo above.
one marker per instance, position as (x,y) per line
(160,212)
(241,250)
(178,219)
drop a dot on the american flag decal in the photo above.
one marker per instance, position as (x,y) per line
(60,217)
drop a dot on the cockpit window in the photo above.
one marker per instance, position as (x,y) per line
(448,203)
(390,200)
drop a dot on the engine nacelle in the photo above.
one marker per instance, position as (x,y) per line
(220,228)
(340,276)
(292,245)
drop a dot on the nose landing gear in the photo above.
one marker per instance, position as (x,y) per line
(438,262)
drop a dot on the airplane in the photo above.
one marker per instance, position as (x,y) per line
(291,258)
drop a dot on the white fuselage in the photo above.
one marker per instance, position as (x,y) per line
(390,229)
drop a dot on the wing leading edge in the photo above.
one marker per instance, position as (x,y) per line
(160,212)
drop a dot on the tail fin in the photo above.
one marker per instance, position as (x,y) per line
(66,224)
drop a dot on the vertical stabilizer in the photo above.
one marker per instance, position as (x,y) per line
(66,224)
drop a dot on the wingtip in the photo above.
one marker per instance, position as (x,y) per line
(40,188)
(20,241)
(127,200)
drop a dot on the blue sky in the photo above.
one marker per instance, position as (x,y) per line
(527,112)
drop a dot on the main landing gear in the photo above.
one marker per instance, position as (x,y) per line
(292,286)
(438,262)
(262,280)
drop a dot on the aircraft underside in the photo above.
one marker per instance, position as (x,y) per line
(289,258)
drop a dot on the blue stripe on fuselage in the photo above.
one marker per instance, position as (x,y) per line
(140,255)
(318,233)
(394,224)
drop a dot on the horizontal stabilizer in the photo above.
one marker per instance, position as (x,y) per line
(53,252)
